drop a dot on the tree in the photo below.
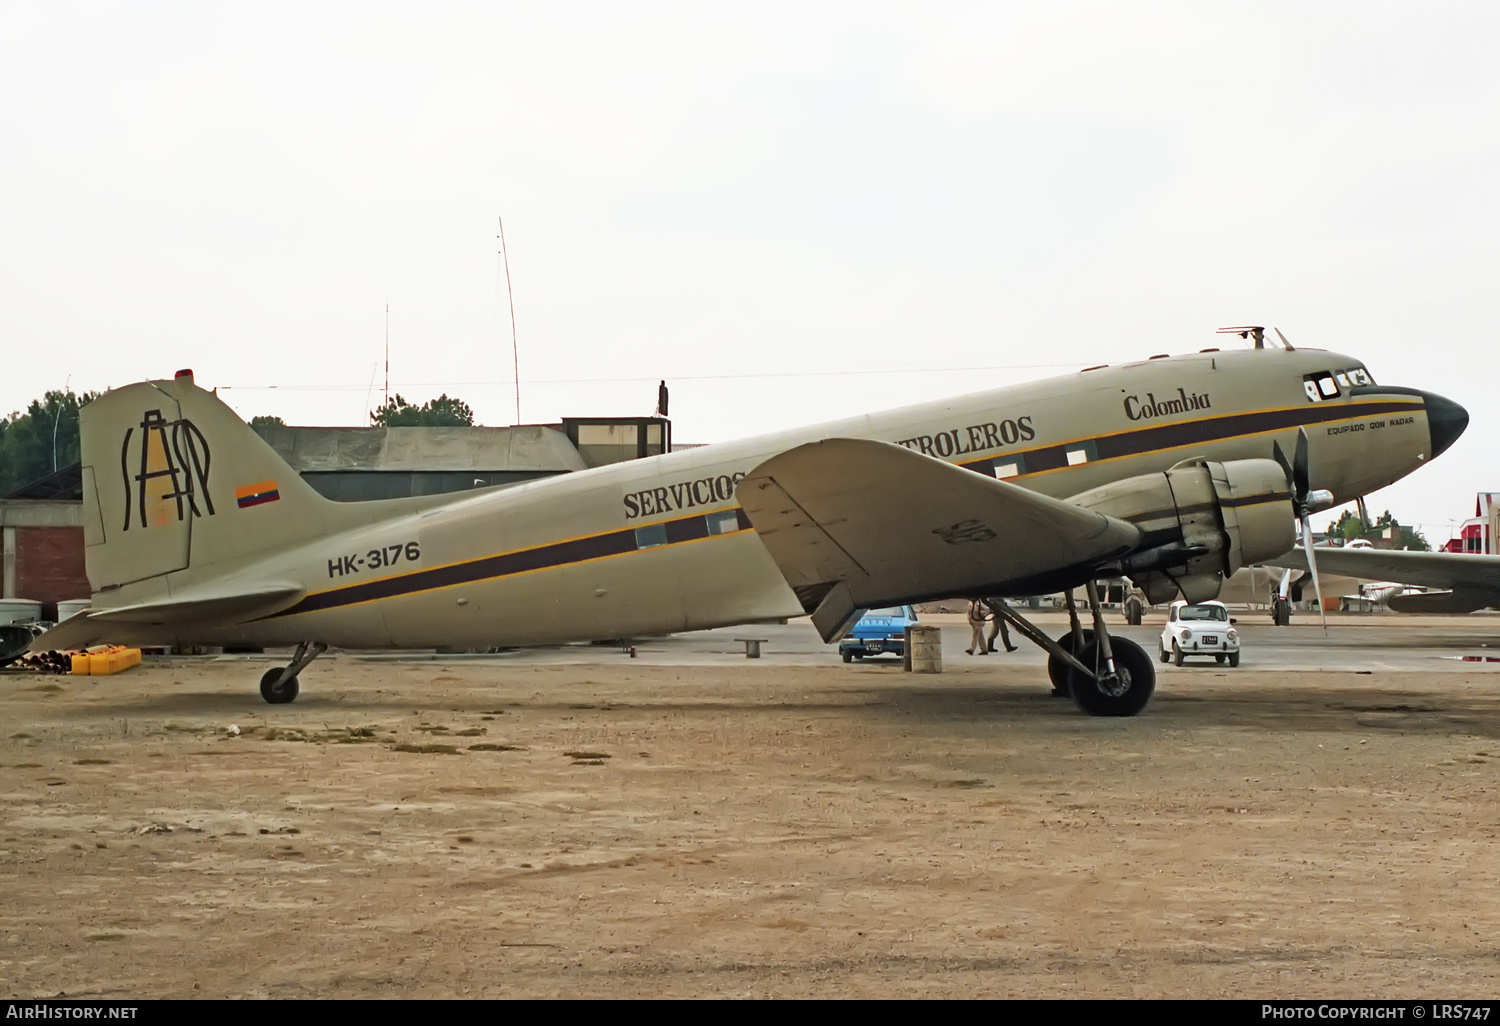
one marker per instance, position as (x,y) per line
(265,421)
(439,412)
(1348,527)
(1402,537)
(42,440)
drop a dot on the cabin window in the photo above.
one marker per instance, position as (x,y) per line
(1080,453)
(1011,469)
(650,536)
(723,522)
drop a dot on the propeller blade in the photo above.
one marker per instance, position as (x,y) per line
(1280,457)
(1312,564)
(1364,516)
(1299,468)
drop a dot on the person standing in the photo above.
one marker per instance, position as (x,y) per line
(997,626)
(977,646)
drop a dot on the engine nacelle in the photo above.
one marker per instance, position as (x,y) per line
(1200,522)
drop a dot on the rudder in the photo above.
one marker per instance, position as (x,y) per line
(173,478)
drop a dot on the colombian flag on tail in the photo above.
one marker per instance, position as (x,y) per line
(256,494)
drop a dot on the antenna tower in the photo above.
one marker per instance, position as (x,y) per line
(515,351)
(387,354)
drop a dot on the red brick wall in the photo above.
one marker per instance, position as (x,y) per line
(49,566)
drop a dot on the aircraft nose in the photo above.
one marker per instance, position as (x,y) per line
(1446,420)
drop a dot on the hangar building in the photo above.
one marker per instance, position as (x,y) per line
(41,524)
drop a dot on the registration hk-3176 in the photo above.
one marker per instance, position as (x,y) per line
(374,559)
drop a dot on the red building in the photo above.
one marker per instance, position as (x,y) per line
(1478,534)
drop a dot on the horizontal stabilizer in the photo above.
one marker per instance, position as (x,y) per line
(197,608)
(76,632)
(897,526)
(207,606)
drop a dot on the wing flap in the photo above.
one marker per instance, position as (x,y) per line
(897,526)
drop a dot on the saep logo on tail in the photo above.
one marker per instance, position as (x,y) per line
(165,469)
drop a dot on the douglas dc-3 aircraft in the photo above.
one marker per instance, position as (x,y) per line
(1171,470)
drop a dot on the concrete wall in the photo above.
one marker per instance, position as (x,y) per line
(358,464)
(529,449)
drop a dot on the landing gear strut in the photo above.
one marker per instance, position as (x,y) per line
(279,684)
(1104,676)
(1074,641)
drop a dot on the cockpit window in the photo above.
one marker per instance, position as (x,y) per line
(1331,384)
(1320,386)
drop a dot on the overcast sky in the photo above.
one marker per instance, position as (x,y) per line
(789,211)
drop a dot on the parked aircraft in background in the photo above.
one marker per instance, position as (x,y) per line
(1464,581)
(1172,471)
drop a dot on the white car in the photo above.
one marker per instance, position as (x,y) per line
(1202,628)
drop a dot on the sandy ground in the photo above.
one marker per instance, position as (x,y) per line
(617,829)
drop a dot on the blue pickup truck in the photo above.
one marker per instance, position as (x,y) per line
(879,631)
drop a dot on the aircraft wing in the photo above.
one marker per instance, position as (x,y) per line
(208,606)
(855,524)
(1471,581)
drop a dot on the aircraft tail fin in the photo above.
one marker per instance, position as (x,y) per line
(172,478)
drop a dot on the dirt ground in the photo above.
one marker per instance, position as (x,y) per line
(435,829)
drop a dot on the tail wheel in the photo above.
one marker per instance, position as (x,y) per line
(1058,670)
(271,693)
(1124,695)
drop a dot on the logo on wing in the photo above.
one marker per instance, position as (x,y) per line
(171,463)
(965,532)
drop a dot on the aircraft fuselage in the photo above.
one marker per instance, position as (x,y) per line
(659,545)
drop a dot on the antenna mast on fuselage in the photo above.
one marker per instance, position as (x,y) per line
(1257,333)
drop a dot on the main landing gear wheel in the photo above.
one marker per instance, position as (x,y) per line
(269,690)
(1281,612)
(1126,692)
(1059,670)
(1134,613)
